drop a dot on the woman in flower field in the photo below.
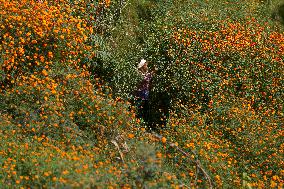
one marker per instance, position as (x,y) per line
(215,102)
(142,93)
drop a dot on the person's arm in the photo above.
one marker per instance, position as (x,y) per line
(153,72)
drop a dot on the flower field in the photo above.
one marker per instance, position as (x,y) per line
(68,70)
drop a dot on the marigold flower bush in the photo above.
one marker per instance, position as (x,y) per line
(67,69)
(225,79)
(225,59)
(50,101)
(59,123)
(46,55)
(231,141)
(222,70)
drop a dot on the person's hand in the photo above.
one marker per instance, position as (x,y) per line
(155,69)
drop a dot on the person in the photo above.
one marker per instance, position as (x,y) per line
(154,109)
(143,90)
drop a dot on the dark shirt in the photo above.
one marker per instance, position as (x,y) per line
(143,88)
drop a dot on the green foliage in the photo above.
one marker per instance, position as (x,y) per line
(67,75)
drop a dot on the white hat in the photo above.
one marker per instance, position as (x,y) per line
(141,64)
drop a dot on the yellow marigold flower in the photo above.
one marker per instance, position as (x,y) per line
(217,177)
(273,184)
(191,144)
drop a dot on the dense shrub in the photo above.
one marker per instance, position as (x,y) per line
(224,60)
(47,52)
(206,59)
(231,141)
(55,114)
(68,71)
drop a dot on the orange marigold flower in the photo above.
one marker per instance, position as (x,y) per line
(50,54)
(131,135)
(44,72)
(159,155)
(164,140)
